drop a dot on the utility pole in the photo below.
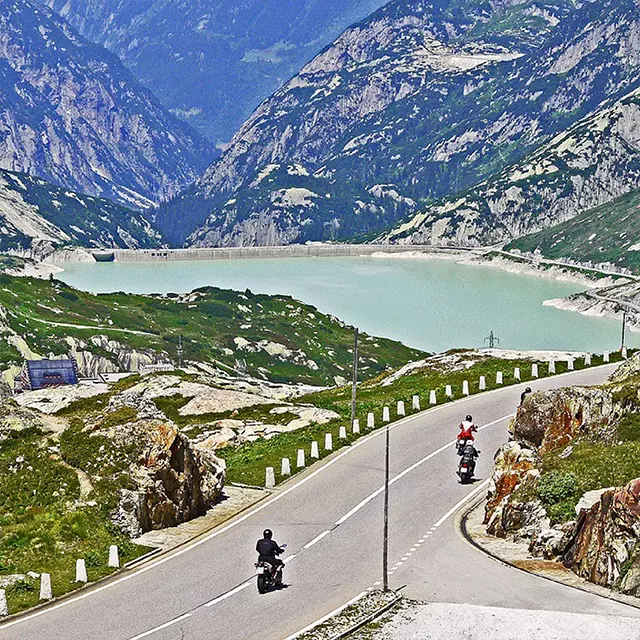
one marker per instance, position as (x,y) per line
(354,382)
(624,326)
(180,351)
(385,534)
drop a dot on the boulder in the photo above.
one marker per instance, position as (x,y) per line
(173,480)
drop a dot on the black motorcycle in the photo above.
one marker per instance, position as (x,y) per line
(269,575)
(467,465)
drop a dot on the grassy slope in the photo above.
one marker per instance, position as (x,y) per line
(600,235)
(208,323)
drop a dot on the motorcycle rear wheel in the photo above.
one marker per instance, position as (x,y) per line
(262,584)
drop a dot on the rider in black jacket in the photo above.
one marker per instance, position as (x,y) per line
(268,549)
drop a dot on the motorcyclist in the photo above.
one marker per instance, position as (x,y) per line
(469,456)
(268,549)
(525,393)
(467,429)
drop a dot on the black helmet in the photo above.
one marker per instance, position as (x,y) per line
(268,534)
(469,418)
(527,390)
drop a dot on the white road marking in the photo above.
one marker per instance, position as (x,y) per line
(453,509)
(162,626)
(224,596)
(317,539)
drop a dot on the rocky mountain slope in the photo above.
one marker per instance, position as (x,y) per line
(568,480)
(594,162)
(412,104)
(607,236)
(72,114)
(33,211)
(210,61)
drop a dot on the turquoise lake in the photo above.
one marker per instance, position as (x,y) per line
(427,303)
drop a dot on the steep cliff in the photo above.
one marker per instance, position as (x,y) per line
(568,482)
(412,104)
(72,114)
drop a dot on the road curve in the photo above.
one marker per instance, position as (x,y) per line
(331,518)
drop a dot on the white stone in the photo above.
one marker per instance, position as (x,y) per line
(300,462)
(499,377)
(570,366)
(81,571)
(590,498)
(371,421)
(114,558)
(516,373)
(448,391)
(4,610)
(534,370)
(328,442)
(465,388)
(314,450)
(552,366)
(605,357)
(270,480)
(415,403)
(45,587)
(400,410)
(385,415)
(342,433)
(432,397)
(356,426)
(483,383)
(286,467)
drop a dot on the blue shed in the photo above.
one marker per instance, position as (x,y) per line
(40,374)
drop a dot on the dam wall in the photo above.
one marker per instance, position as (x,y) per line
(288,251)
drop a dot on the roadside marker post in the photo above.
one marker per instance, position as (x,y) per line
(4,610)
(534,370)
(45,587)
(605,357)
(448,391)
(570,366)
(81,571)
(499,377)
(587,360)
(400,409)
(314,450)
(385,415)
(270,480)
(465,388)
(286,467)
(356,426)
(342,434)
(371,421)
(328,442)
(552,366)
(624,353)
(415,403)
(114,559)
(483,383)
(300,462)
(432,397)
(516,373)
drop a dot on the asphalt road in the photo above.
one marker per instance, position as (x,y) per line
(331,519)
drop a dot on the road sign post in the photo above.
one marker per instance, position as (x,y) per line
(385,534)
(354,382)
(624,327)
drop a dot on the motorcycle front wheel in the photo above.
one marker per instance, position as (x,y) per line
(262,584)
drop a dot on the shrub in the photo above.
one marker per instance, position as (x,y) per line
(556,487)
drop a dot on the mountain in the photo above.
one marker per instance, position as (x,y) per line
(608,235)
(415,103)
(594,162)
(33,210)
(72,114)
(213,61)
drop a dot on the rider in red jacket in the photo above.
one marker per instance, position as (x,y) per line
(467,429)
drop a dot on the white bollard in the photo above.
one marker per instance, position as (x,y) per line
(499,377)
(432,397)
(328,442)
(587,360)
(400,409)
(415,403)
(300,462)
(385,415)
(605,357)
(81,571)
(516,373)
(286,467)
(314,450)
(465,387)
(371,421)
(270,480)
(114,558)
(483,383)
(4,610)
(356,426)
(448,391)
(552,366)
(570,366)
(342,433)
(534,370)
(45,587)
(624,353)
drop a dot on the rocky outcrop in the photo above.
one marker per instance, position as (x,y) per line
(174,481)
(72,114)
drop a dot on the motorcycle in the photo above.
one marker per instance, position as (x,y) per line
(269,575)
(461,444)
(466,469)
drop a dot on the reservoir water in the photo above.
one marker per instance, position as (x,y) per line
(427,303)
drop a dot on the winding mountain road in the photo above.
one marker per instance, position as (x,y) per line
(331,518)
